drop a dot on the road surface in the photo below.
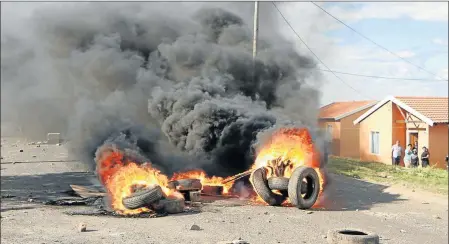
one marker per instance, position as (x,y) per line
(397,215)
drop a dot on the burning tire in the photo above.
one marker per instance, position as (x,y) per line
(351,237)
(144,197)
(303,187)
(278,183)
(185,184)
(260,184)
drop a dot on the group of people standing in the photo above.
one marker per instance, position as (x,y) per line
(411,158)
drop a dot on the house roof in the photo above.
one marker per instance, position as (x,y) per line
(428,109)
(339,110)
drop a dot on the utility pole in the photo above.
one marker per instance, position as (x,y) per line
(256,28)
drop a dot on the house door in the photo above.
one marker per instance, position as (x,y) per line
(413,139)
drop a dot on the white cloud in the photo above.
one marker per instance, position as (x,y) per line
(440,41)
(406,54)
(431,11)
(443,74)
(365,59)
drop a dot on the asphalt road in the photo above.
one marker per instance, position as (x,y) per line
(397,215)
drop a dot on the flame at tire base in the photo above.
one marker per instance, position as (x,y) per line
(285,151)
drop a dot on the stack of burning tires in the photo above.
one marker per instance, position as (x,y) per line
(302,188)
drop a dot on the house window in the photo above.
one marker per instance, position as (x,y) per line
(329,129)
(374,142)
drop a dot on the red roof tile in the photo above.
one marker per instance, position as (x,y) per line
(338,109)
(434,108)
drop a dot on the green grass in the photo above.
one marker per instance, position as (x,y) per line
(434,180)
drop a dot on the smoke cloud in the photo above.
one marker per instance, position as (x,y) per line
(174,81)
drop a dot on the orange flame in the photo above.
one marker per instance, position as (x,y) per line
(292,145)
(119,176)
(120,185)
(205,180)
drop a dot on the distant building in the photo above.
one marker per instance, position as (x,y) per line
(407,119)
(337,119)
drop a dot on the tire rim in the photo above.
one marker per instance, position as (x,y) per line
(307,187)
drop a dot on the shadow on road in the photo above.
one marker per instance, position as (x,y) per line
(346,194)
(42,187)
(14,208)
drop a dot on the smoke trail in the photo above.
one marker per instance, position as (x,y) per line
(177,86)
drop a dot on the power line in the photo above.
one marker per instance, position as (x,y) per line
(383,77)
(375,43)
(316,56)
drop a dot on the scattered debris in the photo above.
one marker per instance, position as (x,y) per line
(212,190)
(8,196)
(30,199)
(82,227)
(21,150)
(195,227)
(173,206)
(195,196)
(103,212)
(403,231)
(437,217)
(239,241)
(53,138)
(87,192)
(72,201)
(309,212)
(424,203)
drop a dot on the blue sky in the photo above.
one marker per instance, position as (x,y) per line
(417,32)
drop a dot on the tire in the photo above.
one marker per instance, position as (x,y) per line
(259,181)
(296,187)
(185,184)
(278,183)
(345,236)
(143,197)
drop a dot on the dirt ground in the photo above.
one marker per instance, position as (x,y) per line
(397,215)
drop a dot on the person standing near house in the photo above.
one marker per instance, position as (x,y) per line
(408,156)
(425,157)
(415,158)
(397,151)
(415,146)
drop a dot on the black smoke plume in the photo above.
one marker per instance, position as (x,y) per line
(175,82)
